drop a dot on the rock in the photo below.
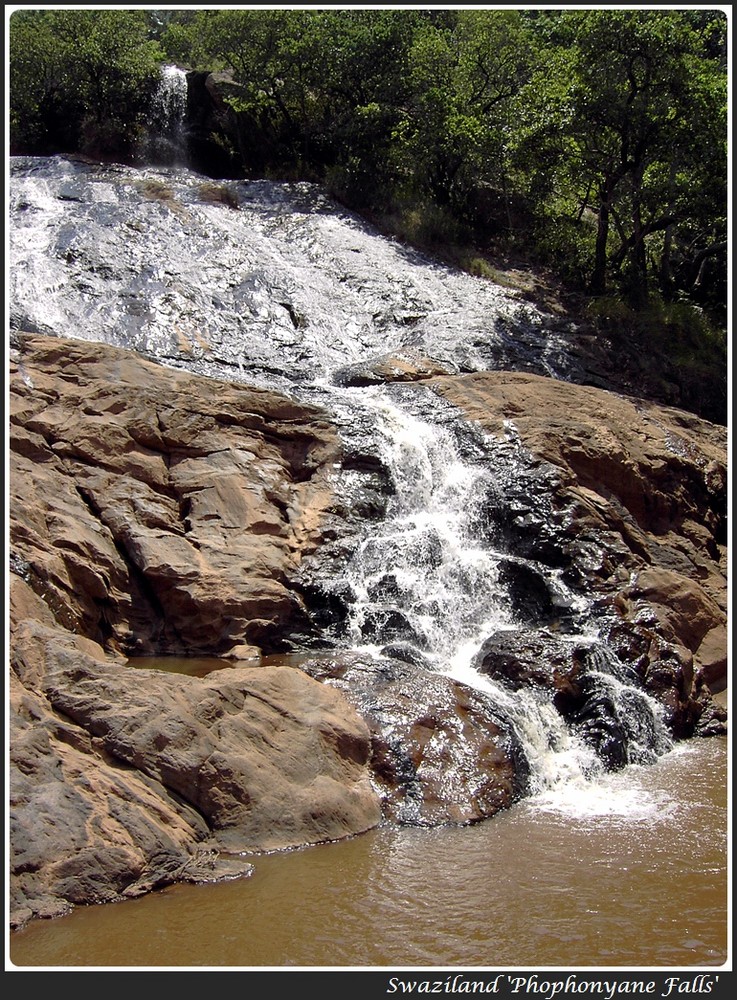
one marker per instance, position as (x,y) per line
(124,780)
(243,652)
(153,511)
(441,752)
(598,695)
(402,366)
(212,139)
(158,512)
(688,615)
(535,659)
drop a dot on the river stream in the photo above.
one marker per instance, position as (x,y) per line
(628,873)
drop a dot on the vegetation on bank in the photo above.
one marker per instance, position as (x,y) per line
(591,143)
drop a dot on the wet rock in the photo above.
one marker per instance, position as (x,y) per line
(382,623)
(529,593)
(404,366)
(633,491)
(600,697)
(441,751)
(534,658)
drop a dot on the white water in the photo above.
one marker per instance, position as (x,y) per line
(443,581)
(167,140)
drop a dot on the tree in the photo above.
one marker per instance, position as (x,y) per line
(465,74)
(95,67)
(621,120)
(38,85)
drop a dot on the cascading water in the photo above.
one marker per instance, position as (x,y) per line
(166,141)
(290,294)
(419,576)
(425,585)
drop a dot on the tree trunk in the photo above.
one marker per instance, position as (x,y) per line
(638,291)
(665,271)
(597,283)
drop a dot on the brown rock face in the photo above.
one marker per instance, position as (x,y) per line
(151,510)
(155,511)
(640,496)
(405,366)
(124,780)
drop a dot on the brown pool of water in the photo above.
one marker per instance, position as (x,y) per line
(630,872)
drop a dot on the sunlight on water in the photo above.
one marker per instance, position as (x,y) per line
(567,883)
(608,796)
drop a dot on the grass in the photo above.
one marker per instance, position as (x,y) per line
(219,194)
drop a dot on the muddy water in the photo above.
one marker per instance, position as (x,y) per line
(631,873)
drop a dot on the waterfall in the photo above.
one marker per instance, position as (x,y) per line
(425,585)
(286,293)
(420,576)
(166,140)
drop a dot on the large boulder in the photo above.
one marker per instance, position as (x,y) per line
(441,752)
(156,511)
(123,780)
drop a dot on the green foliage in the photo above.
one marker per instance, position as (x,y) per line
(680,328)
(38,84)
(465,74)
(682,352)
(80,78)
(593,140)
(428,226)
(626,120)
(563,244)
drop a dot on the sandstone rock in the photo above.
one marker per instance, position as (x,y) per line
(125,780)
(155,511)
(404,366)
(152,511)
(686,614)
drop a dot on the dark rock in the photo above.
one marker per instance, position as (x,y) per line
(441,752)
